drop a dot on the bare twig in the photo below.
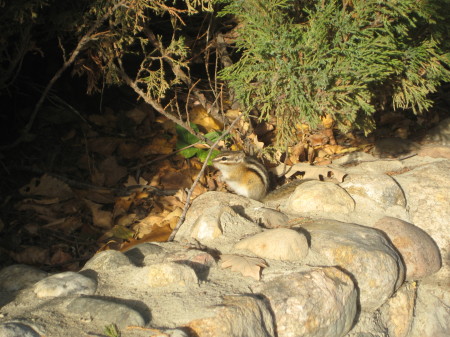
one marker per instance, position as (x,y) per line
(83,41)
(200,174)
(158,107)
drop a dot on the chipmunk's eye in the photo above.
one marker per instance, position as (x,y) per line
(224,158)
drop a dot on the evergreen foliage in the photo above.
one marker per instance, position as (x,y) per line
(127,33)
(302,60)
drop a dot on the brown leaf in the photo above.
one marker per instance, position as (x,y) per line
(158,234)
(158,145)
(65,225)
(200,116)
(60,257)
(318,139)
(48,186)
(31,255)
(112,170)
(254,139)
(100,218)
(103,145)
(246,265)
(129,150)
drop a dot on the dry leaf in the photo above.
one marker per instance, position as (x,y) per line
(318,139)
(157,234)
(66,225)
(246,265)
(254,139)
(47,186)
(200,116)
(112,170)
(100,218)
(159,145)
(327,121)
(97,177)
(103,145)
(138,114)
(129,150)
(232,114)
(31,255)
(60,257)
(311,172)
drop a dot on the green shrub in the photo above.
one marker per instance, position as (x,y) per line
(302,60)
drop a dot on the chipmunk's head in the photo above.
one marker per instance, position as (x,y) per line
(228,158)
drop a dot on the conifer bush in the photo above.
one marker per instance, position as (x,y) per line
(302,60)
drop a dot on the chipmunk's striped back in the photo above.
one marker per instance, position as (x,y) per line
(243,174)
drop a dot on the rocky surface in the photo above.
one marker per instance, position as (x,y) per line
(365,257)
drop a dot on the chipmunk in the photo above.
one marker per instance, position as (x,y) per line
(248,177)
(243,174)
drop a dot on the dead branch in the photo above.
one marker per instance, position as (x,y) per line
(158,107)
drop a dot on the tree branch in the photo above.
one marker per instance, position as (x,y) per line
(158,107)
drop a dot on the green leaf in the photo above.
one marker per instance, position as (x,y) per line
(185,136)
(189,152)
(213,135)
(204,153)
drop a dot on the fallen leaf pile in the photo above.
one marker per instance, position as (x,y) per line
(115,191)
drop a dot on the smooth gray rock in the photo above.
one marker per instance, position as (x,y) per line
(20,276)
(107,260)
(319,197)
(363,252)
(320,302)
(418,250)
(238,316)
(427,189)
(17,329)
(379,188)
(105,310)
(65,284)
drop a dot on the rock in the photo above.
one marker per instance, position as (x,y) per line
(19,276)
(320,302)
(440,133)
(427,190)
(16,329)
(65,284)
(393,147)
(238,316)
(363,252)
(107,260)
(418,250)
(316,196)
(271,218)
(435,151)
(278,244)
(397,313)
(105,310)
(379,188)
(377,167)
(207,226)
(138,253)
(432,311)
(354,158)
(241,206)
(199,261)
(170,274)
